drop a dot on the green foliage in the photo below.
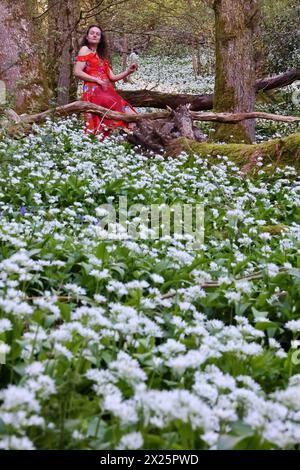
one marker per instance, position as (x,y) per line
(281,34)
(145,343)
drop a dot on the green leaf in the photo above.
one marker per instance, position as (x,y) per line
(240,431)
(259,313)
(241,308)
(2,427)
(263,326)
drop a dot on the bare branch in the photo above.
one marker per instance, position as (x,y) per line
(84,106)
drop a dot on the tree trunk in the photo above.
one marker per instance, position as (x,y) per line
(194,57)
(235,65)
(62,19)
(125,55)
(20,67)
(195,46)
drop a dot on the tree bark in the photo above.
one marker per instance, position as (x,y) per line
(195,48)
(61,21)
(20,66)
(125,55)
(195,57)
(277,81)
(235,65)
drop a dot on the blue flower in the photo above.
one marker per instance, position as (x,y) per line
(23,210)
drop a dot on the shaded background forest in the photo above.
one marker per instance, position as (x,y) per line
(47,34)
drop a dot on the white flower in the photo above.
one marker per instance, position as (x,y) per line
(157,278)
(14,397)
(171,347)
(127,368)
(77,436)
(5,325)
(137,284)
(233,296)
(104,274)
(133,440)
(16,443)
(35,369)
(273,270)
(243,286)
(4,348)
(60,349)
(101,212)
(100,298)
(210,437)
(75,289)
(293,325)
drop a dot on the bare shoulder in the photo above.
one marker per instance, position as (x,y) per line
(84,50)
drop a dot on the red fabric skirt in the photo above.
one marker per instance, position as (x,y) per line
(110,99)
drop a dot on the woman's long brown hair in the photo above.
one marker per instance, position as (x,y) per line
(102,46)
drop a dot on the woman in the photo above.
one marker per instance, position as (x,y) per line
(92,66)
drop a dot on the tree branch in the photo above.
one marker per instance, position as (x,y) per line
(83,106)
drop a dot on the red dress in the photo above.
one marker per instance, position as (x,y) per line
(94,93)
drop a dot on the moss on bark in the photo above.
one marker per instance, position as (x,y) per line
(276,152)
(235,79)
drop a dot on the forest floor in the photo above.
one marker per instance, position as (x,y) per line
(114,336)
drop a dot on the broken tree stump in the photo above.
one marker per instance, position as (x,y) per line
(158,135)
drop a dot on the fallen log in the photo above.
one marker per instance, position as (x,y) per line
(277,81)
(249,157)
(77,107)
(156,99)
(237,117)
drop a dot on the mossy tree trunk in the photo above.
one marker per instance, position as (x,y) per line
(61,32)
(20,66)
(235,22)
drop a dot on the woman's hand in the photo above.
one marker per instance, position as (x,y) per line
(103,83)
(132,68)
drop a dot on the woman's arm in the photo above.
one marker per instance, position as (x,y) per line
(120,76)
(79,67)
(79,73)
